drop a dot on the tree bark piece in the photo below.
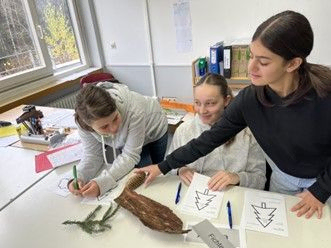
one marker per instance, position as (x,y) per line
(151,213)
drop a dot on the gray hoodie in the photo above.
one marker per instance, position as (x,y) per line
(244,156)
(143,122)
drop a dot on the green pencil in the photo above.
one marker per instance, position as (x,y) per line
(75,178)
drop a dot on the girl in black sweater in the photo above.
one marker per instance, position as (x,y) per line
(287,108)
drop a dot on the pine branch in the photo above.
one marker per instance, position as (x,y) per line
(108,214)
(93,214)
(95,226)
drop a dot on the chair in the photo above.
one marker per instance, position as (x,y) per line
(96,77)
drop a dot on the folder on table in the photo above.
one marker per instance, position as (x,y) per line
(42,162)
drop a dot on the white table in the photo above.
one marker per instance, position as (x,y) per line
(34,220)
(17,172)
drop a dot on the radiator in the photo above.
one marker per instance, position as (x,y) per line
(67,101)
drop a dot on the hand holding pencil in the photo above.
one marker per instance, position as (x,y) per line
(75,185)
(75,182)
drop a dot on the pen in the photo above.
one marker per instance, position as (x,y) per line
(229,214)
(178,193)
(75,178)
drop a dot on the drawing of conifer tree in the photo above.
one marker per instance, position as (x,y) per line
(263,214)
(62,184)
(203,199)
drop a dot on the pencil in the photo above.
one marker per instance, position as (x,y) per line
(76,186)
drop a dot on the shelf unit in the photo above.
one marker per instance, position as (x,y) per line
(236,83)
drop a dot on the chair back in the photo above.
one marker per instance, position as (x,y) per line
(95,78)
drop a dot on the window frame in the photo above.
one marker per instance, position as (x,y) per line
(46,69)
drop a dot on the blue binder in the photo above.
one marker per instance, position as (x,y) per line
(216,58)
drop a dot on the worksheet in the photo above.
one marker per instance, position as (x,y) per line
(66,156)
(60,187)
(265,212)
(105,199)
(110,195)
(199,200)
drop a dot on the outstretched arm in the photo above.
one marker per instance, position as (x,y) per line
(152,172)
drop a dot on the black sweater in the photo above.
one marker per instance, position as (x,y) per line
(297,137)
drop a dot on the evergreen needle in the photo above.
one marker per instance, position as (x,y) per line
(90,225)
(93,214)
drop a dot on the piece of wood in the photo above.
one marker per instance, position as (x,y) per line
(151,213)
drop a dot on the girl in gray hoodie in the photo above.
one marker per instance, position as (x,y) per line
(110,114)
(239,161)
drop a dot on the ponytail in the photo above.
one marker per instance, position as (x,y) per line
(320,78)
(311,76)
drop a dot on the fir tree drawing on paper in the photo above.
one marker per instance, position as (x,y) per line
(203,199)
(62,184)
(263,214)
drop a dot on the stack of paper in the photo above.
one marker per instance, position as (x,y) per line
(174,116)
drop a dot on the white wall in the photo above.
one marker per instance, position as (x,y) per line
(124,22)
(215,20)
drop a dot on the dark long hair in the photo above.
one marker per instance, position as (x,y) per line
(92,103)
(289,35)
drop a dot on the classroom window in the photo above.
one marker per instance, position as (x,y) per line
(38,38)
(18,49)
(58,32)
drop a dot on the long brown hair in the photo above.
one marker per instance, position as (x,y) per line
(289,35)
(217,80)
(224,89)
(92,103)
